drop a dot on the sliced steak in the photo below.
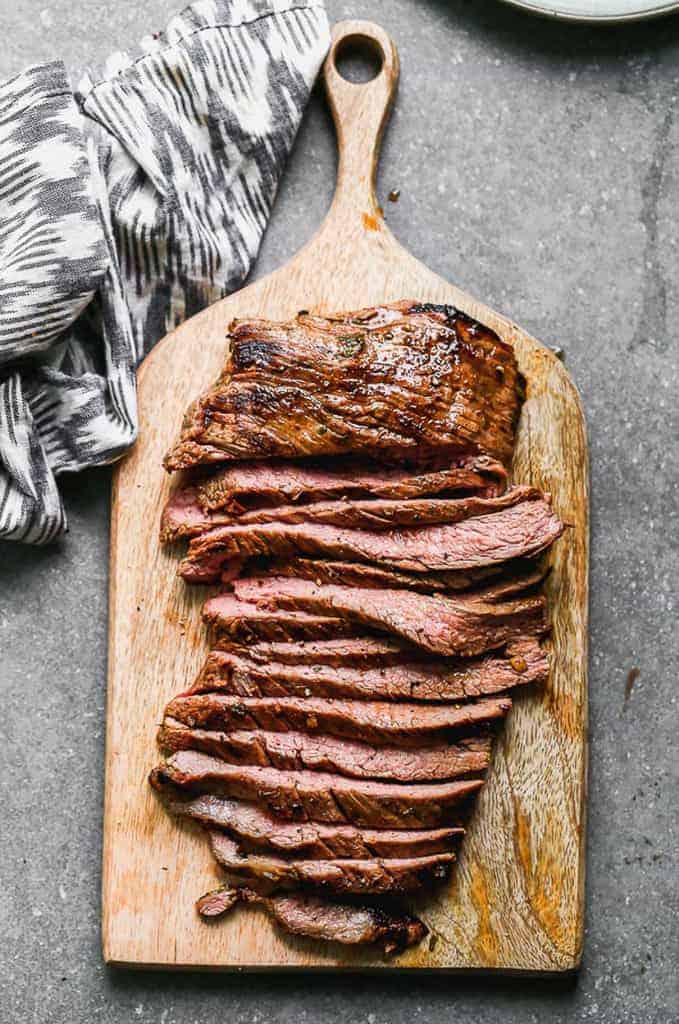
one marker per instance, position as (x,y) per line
(237,488)
(444,625)
(512,578)
(522,531)
(378,723)
(297,750)
(317,918)
(256,830)
(523,662)
(231,492)
(183,517)
(316,796)
(358,652)
(404,381)
(367,877)
(241,622)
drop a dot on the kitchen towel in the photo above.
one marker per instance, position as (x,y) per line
(125,207)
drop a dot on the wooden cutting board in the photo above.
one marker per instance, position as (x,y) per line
(515,901)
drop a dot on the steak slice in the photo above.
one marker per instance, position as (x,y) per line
(369,877)
(522,531)
(297,750)
(523,662)
(228,494)
(316,918)
(375,722)
(256,830)
(236,488)
(317,796)
(444,625)
(508,579)
(243,622)
(182,516)
(358,652)
(406,380)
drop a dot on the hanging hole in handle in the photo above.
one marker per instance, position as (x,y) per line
(358,59)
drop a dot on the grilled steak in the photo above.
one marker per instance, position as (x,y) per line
(374,722)
(443,625)
(256,830)
(297,750)
(523,662)
(407,381)
(316,755)
(511,578)
(316,918)
(368,877)
(242,622)
(317,796)
(522,531)
(183,517)
(358,652)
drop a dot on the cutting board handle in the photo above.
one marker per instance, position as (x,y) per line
(360,112)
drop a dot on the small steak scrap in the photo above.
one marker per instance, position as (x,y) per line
(316,918)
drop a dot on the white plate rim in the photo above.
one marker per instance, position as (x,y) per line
(626,11)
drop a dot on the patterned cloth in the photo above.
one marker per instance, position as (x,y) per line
(125,208)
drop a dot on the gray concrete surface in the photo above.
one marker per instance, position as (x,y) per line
(537,165)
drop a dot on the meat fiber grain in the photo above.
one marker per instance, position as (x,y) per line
(235,621)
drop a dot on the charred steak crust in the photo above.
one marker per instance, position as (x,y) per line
(407,380)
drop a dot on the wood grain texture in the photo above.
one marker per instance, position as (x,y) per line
(515,901)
